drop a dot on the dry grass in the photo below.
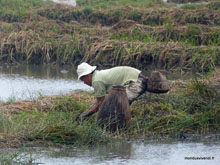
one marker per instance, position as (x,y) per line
(166,37)
(45,104)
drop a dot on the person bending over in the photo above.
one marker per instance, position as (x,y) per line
(103,80)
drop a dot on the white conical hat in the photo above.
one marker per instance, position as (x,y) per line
(84,69)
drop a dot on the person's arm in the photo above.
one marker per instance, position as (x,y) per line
(94,107)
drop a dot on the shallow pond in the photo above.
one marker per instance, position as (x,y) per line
(138,152)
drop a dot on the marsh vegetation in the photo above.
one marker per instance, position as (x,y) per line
(189,108)
(137,33)
(109,33)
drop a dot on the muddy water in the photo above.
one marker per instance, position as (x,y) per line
(29,82)
(138,152)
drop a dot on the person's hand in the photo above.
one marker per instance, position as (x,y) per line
(83,116)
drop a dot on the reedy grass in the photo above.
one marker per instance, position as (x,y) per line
(196,110)
(59,126)
(68,35)
(111,3)
(191,35)
(30,44)
(191,6)
(56,37)
(16,9)
(208,59)
(15,158)
(69,49)
(191,108)
(214,5)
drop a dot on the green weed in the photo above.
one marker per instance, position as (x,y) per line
(214,5)
(6,27)
(134,15)
(206,60)
(202,88)
(57,127)
(108,3)
(192,6)
(15,9)
(214,38)
(193,35)
(192,108)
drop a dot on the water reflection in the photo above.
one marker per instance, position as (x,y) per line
(129,153)
(40,71)
(31,81)
(119,150)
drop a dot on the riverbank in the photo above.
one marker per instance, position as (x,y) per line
(111,33)
(190,109)
(136,33)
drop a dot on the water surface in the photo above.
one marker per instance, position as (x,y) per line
(31,81)
(138,152)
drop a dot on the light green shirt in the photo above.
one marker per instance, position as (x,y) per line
(103,80)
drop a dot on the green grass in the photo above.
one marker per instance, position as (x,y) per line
(193,108)
(57,36)
(36,33)
(206,60)
(111,3)
(13,158)
(61,125)
(193,36)
(214,5)
(136,35)
(6,27)
(15,9)
(191,6)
